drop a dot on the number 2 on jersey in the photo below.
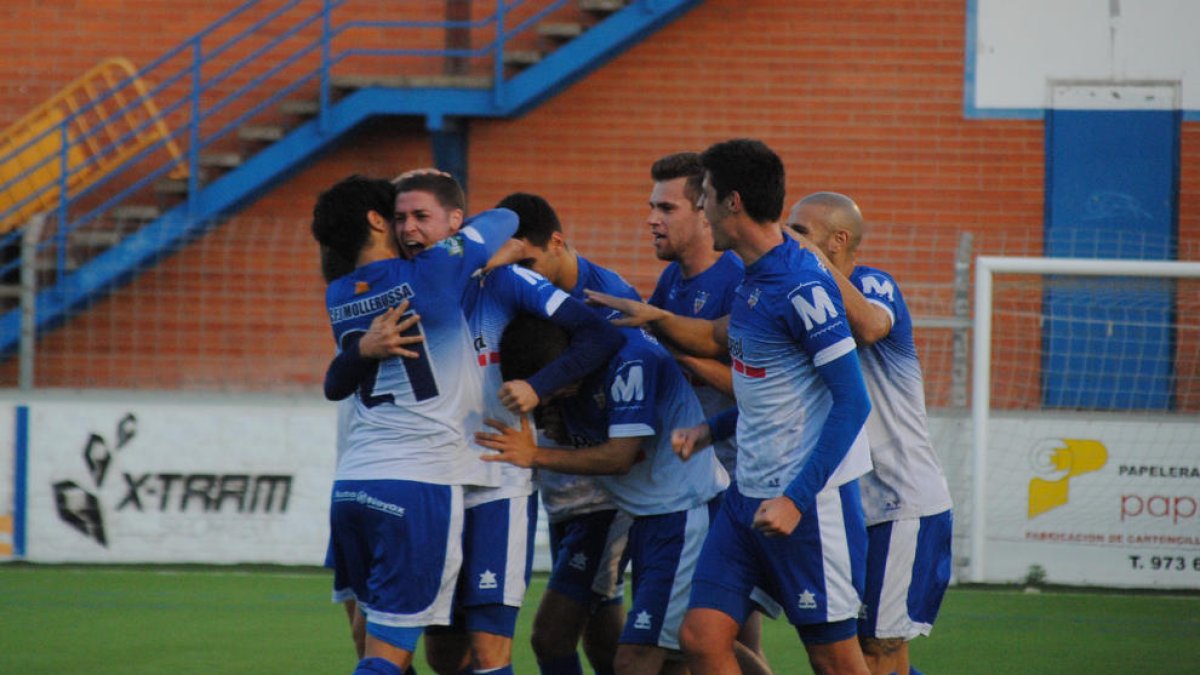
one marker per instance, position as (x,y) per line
(418,370)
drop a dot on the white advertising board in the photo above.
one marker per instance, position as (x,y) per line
(1106,500)
(163,482)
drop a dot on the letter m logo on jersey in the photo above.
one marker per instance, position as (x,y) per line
(878,286)
(815,309)
(627,385)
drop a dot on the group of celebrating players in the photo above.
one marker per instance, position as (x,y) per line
(752,441)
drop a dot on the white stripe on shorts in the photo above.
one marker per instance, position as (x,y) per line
(694,531)
(518,540)
(892,619)
(607,583)
(842,600)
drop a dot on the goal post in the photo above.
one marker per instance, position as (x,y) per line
(1164,483)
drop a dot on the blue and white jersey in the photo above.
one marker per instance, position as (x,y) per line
(643,394)
(490,306)
(411,416)
(566,495)
(908,481)
(787,320)
(708,295)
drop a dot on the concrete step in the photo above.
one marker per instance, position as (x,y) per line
(266,133)
(96,238)
(560,31)
(522,58)
(171,186)
(601,7)
(139,212)
(221,160)
(300,107)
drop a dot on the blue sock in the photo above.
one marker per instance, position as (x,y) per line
(502,670)
(914,671)
(563,665)
(376,666)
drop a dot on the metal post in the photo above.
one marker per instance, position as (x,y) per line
(326,39)
(194,129)
(959,365)
(64,168)
(28,341)
(981,390)
(498,57)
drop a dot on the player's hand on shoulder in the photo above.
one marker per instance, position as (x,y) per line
(518,396)
(636,313)
(385,337)
(777,516)
(510,252)
(515,446)
(686,442)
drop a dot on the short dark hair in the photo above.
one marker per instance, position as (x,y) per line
(751,169)
(538,221)
(340,222)
(445,189)
(528,344)
(681,165)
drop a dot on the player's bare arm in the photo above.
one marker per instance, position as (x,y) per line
(777,516)
(518,396)
(698,337)
(711,372)
(518,447)
(685,442)
(869,322)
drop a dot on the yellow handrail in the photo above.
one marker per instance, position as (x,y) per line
(97,109)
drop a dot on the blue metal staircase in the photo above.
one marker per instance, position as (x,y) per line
(291,48)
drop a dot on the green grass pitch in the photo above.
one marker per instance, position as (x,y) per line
(132,620)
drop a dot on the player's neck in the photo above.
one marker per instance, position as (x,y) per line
(374,252)
(570,270)
(698,259)
(756,240)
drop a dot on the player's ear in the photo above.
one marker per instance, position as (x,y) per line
(734,200)
(456,219)
(378,221)
(557,241)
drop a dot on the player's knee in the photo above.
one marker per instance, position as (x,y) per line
(548,641)
(697,638)
(879,648)
(446,655)
(636,658)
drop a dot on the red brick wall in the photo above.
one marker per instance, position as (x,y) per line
(863,97)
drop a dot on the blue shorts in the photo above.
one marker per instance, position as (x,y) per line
(586,553)
(908,570)
(397,548)
(497,562)
(663,550)
(816,573)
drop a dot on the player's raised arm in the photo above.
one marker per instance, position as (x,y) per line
(698,337)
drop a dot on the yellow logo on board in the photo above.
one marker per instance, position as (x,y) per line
(1068,458)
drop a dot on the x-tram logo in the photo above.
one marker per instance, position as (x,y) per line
(81,505)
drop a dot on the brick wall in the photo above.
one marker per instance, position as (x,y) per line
(862,97)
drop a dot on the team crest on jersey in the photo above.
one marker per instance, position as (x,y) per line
(453,245)
(753,299)
(698,301)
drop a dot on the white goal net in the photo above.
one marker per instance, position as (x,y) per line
(1086,432)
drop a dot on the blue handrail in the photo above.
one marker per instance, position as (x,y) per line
(193,100)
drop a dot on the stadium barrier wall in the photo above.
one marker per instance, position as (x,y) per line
(123,478)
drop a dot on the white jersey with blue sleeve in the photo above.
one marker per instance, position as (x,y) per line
(707,295)
(787,320)
(490,306)
(411,416)
(643,394)
(908,481)
(566,495)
